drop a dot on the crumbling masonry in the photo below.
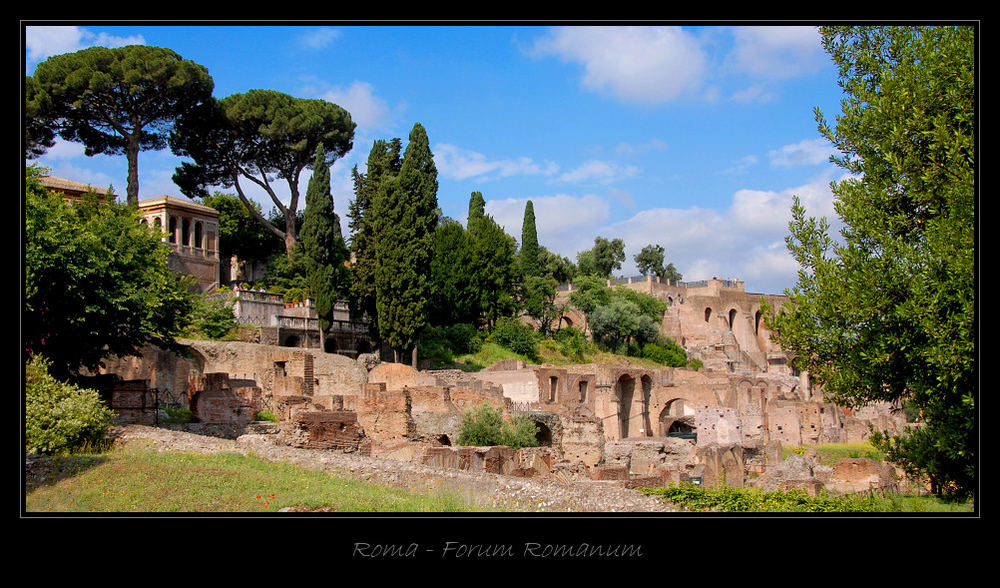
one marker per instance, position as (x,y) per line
(611,424)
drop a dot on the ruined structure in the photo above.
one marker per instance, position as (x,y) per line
(617,424)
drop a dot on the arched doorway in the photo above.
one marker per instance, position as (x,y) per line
(292,341)
(544,434)
(732,318)
(647,389)
(625,392)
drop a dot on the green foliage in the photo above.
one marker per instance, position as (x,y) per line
(321,244)
(887,313)
(266,415)
(455,298)
(485,426)
(493,270)
(650,260)
(178,416)
(286,272)
(477,208)
(440,344)
(529,242)
(667,352)
(384,161)
(695,364)
(113,101)
(726,499)
(212,317)
(605,257)
(59,416)
(557,267)
(572,343)
(404,216)
(516,336)
(539,301)
(96,282)
(239,232)
(259,135)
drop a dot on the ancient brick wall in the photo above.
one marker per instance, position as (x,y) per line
(338,430)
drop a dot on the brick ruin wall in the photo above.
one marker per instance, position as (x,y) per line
(400,413)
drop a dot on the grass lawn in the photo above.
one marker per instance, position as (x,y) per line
(131,480)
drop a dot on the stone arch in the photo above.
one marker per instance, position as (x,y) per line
(444,440)
(292,340)
(565,319)
(544,434)
(756,322)
(708,313)
(674,411)
(732,317)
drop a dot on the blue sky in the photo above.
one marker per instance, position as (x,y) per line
(694,138)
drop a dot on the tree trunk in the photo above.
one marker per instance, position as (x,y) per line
(132,189)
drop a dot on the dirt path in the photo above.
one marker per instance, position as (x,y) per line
(510,493)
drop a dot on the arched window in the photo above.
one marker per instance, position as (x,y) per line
(708,314)
(186,233)
(732,318)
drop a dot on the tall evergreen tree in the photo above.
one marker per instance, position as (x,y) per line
(493,270)
(529,242)
(404,215)
(477,208)
(321,244)
(384,161)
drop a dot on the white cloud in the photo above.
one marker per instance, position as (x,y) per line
(745,241)
(741,165)
(776,52)
(638,64)
(458,164)
(600,171)
(637,148)
(42,42)
(557,230)
(367,110)
(318,39)
(753,93)
(807,152)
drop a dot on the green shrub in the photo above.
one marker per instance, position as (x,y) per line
(266,415)
(178,416)
(666,352)
(485,426)
(695,364)
(516,336)
(212,317)
(59,416)
(572,342)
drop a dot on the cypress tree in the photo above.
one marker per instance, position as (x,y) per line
(529,242)
(404,215)
(477,208)
(384,161)
(321,244)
